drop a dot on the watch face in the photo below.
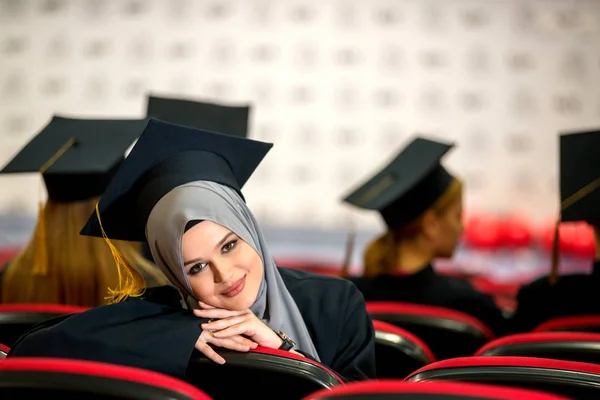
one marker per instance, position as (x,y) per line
(285,337)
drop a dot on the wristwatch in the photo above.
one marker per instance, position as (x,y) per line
(288,344)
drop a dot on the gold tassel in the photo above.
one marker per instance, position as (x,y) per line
(131,283)
(553,277)
(40,263)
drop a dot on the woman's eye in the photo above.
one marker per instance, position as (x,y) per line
(229,246)
(196,268)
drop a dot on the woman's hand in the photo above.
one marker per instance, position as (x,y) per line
(231,324)
(236,342)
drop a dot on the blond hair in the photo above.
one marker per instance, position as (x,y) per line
(78,269)
(381,255)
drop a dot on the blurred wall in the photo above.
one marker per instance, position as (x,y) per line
(338,85)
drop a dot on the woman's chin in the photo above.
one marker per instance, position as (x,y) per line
(240,304)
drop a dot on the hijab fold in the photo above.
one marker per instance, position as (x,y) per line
(210,201)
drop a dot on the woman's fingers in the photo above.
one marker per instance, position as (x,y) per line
(205,349)
(244,341)
(237,343)
(223,323)
(217,313)
(239,329)
(204,305)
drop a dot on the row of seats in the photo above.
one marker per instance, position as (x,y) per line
(401,352)
(75,379)
(273,373)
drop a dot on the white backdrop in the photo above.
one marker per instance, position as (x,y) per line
(338,85)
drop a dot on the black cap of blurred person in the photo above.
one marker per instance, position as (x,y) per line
(229,119)
(408,185)
(77,157)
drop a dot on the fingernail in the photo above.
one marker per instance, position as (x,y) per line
(222,362)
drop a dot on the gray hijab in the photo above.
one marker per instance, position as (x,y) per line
(203,200)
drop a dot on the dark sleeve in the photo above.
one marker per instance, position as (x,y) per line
(355,356)
(484,308)
(134,333)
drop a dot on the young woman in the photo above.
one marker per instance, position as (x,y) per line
(180,189)
(58,265)
(421,204)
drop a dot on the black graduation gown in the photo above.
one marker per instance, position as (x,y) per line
(539,301)
(155,333)
(429,288)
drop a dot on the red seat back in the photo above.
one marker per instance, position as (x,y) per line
(581,323)
(16,319)
(569,346)
(398,352)
(567,378)
(74,379)
(398,390)
(437,326)
(264,373)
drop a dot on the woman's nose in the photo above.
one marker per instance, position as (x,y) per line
(222,272)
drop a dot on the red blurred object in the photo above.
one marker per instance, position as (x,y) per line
(576,238)
(7,254)
(515,232)
(316,268)
(482,232)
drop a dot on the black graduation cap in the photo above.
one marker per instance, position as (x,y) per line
(580,176)
(77,157)
(206,116)
(167,156)
(408,185)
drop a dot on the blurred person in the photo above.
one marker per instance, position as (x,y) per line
(421,204)
(77,158)
(555,296)
(180,190)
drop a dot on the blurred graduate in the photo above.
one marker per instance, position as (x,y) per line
(553,295)
(76,158)
(421,205)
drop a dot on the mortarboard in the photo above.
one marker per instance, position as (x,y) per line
(166,156)
(408,185)
(579,185)
(580,176)
(77,157)
(212,117)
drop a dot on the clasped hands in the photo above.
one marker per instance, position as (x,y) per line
(234,330)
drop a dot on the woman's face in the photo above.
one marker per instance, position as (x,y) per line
(224,271)
(450,230)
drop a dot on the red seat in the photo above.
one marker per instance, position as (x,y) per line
(398,390)
(437,326)
(16,319)
(398,352)
(3,350)
(260,373)
(580,323)
(569,346)
(567,378)
(74,379)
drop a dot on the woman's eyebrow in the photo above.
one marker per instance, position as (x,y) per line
(224,239)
